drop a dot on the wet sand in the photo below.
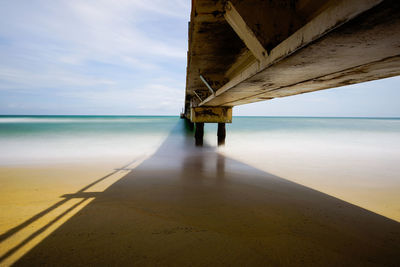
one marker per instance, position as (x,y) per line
(192,206)
(363,172)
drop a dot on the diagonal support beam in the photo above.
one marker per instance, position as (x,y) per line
(336,15)
(237,23)
(201,100)
(207,85)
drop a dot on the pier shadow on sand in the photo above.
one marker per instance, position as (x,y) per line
(189,205)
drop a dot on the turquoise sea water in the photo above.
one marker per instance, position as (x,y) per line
(32,139)
(37,139)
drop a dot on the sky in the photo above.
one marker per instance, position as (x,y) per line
(128,57)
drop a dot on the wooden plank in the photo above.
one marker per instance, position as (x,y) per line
(237,23)
(388,67)
(206,84)
(333,17)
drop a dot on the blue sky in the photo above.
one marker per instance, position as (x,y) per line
(128,57)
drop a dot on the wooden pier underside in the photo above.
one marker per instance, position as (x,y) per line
(248,51)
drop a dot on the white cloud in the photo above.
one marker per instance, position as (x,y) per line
(101,51)
(52,79)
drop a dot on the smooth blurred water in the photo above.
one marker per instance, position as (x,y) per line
(313,142)
(38,139)
(306,133)
(32,139)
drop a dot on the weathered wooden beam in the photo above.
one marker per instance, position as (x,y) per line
(385,68)
(332,17)
(211,114)
(338,59)
(197,95)
(237,23)
(207,84)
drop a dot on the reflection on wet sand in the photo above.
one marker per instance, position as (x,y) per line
(188,205)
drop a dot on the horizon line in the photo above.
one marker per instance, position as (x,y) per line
(262,116)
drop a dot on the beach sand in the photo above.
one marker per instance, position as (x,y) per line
(362,171)
(185,205)
(33,196)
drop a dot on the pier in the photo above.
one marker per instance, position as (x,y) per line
(243,52)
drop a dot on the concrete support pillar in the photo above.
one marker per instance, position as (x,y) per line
(211,114)
(221,134)
(199,133)
(189,125)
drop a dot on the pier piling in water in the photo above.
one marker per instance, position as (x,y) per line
(221,134)
(199,133)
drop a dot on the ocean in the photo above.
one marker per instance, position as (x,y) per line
(55,139)
(354,159)
(33,139)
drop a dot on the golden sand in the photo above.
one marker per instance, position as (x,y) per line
(34,199)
